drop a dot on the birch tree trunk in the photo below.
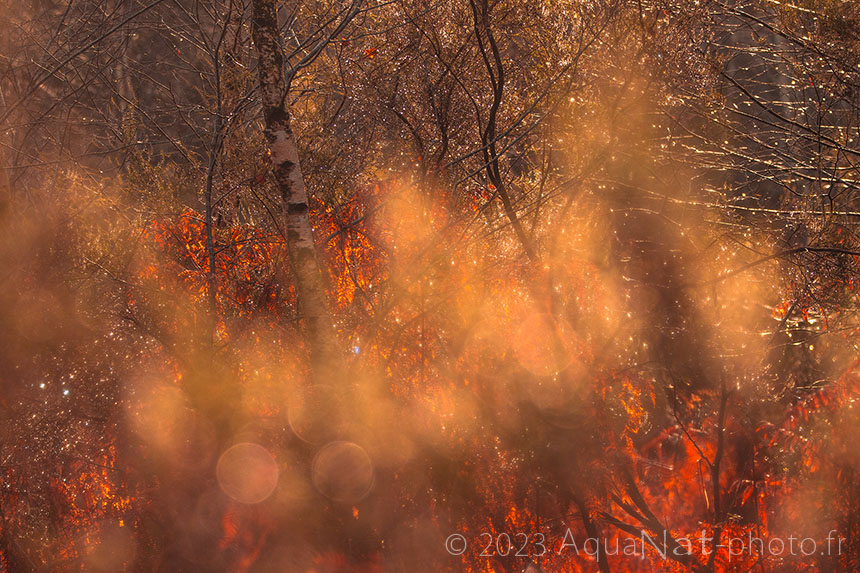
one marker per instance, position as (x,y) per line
(313,306)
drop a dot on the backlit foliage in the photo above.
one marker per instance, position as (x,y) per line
(592,269)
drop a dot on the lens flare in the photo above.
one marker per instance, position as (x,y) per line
(343,471)
(543,344)
(247,473)
(314,414)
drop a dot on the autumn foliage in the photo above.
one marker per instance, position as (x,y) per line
(592,270)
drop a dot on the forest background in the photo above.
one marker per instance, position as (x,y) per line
(316,285)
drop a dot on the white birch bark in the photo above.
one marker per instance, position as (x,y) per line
(313,305)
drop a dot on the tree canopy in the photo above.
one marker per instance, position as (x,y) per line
(455,285)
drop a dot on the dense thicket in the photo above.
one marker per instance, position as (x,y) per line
(581,270)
